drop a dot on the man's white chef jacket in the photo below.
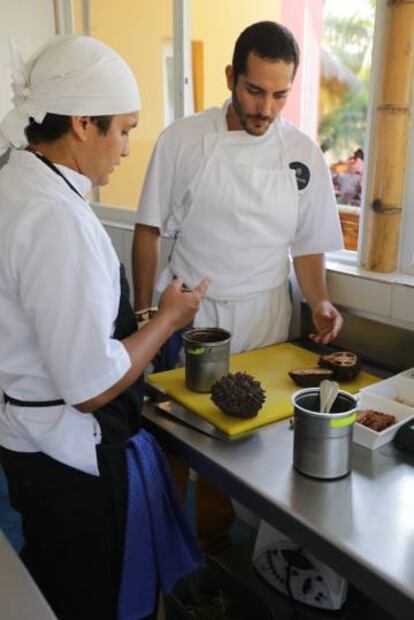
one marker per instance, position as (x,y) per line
(178,157)
(253,310)
(59,298)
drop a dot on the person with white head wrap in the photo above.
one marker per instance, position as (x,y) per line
(72,76)
(71,358)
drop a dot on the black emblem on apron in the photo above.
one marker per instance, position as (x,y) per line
(302,174)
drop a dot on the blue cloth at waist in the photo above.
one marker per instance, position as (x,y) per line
(168,356)
(159,546)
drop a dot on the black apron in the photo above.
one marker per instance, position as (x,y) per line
(120,418)
(73,522)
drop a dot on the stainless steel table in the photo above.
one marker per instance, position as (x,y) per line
(361,525)
(20,598)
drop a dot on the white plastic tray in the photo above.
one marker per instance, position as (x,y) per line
(382,397)
(399,388)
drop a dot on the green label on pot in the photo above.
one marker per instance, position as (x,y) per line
(350,419)
(196,351)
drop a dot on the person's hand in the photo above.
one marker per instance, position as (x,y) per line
(180,303)
(327,321)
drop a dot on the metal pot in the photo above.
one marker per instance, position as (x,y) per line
(207,353)
(322,441)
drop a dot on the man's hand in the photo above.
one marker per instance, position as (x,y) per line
(327,321)
(180,303)
(310,272)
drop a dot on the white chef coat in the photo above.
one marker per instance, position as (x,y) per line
(59,295)
(168,202)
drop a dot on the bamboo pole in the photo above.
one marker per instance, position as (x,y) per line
(384,198)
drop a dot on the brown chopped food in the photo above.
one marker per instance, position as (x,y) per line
(310,377)
(345,365)
(238,395)
(375,420)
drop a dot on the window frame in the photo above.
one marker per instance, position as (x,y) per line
(347,262)
(407,225)
(405,268)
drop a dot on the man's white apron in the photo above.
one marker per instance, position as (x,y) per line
(237,229)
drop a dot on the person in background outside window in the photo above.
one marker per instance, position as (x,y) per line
(347,179)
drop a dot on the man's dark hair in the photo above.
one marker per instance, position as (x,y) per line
(54,126)
(268,40)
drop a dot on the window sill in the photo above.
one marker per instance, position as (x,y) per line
(118,217)
(387,297)
(347,265)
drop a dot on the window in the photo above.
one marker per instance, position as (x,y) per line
(346,49)
(148,33)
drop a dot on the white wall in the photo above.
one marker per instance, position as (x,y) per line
(30,23)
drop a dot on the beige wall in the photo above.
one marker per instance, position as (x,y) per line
(138,32)
(218,23)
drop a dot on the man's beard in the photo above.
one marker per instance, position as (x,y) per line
(243,117)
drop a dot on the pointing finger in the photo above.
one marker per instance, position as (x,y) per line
(203,285)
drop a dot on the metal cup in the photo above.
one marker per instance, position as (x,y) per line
(207,354)
(322,441)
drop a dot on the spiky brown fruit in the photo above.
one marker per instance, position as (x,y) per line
(238,395)
(344,364)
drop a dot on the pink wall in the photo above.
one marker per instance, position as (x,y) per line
(304,19)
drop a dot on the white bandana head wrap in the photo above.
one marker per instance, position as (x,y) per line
(72,75)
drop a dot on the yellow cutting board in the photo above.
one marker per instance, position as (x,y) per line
(270,366)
